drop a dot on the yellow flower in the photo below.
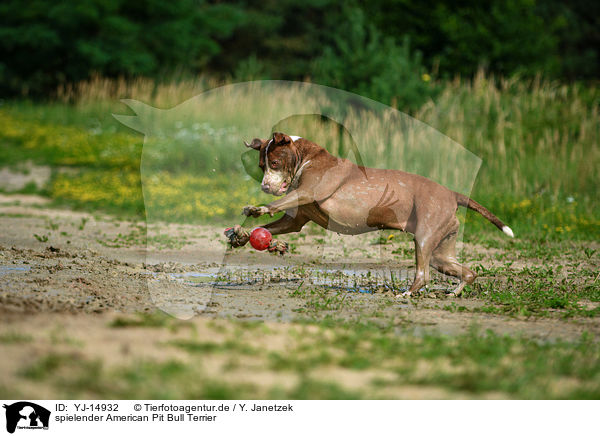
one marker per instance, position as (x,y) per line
(426,77)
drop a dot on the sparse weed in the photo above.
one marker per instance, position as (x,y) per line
(41,238)
(83,222)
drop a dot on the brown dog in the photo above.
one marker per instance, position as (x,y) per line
(345,198)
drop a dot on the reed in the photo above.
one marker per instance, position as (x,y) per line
(537,139)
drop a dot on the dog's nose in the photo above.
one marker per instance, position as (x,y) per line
(264,187)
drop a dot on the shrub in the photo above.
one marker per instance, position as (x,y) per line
(361,60)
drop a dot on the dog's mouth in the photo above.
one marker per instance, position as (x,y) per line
(276,187)
(282,189)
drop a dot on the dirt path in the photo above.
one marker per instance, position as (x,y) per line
(80,296)
(72,262)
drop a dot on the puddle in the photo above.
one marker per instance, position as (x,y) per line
(5,269)
(360,281)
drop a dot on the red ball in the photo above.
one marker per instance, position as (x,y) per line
(260,238)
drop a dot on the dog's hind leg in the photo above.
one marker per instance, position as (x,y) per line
(423,248)
(422,272)
(444,260)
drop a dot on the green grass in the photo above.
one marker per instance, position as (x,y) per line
(556,279)
(153,319)
(202,347)
(14,338)
(538,141)
(475,363)
(318,299)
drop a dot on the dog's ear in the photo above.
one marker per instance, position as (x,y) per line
(256,143)
(281,138)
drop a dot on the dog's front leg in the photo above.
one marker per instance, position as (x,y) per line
(287,224)
(291,201)
(255,211)
(239,237)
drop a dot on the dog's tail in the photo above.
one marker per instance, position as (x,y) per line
(465,201)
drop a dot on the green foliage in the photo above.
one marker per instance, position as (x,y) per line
(507,37)
(363,61)
(48,43)
(504,36)
(575,24)
(361,46)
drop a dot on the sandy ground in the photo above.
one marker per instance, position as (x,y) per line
(74,263)
(66,276)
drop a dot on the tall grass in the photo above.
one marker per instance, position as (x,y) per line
(538,142)
(534,136)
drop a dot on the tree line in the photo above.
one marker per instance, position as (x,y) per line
(370,47)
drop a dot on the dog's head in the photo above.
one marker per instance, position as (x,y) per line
(278,159)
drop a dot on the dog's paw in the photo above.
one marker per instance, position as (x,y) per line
(278,247)
(255,211)
(458,291)
(237,236)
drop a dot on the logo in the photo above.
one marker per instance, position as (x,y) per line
(26,415)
